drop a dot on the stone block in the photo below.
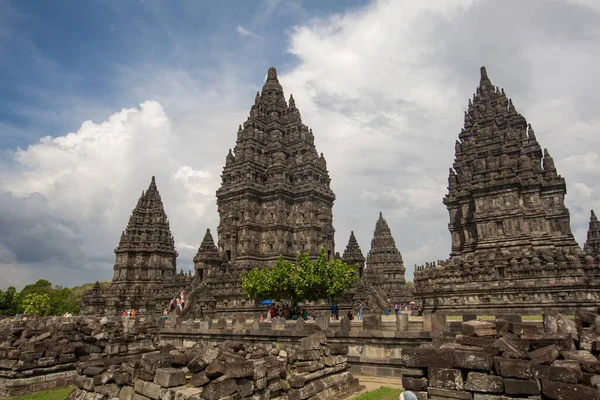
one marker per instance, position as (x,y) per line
(587,337)
(566,391)
(476,360)
(521,386)
(469,317)
(215,369)
(372,322)
(313,342)
(478,328)
(240,369)
(204,357)
(512,368)
(169,377)
(423,357)
(552,373)
(245,386)
(445,394)
(219,388)
(566,325)
(480,382)
(150,362)
(510,317)
(418,372)
(402,322)
(199,379)
(126,393)
(445,378)
(322,321)
(544,355)
(410,383)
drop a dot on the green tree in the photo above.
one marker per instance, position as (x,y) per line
(304,280)
(409,285)
(9,301)
(36,304)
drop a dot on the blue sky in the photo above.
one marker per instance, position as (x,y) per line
(54,53)
(98,96)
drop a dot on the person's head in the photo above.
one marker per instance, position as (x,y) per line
(408,395)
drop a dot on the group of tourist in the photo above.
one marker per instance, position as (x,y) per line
(176,305)
(129,313)
(409,308)
(293,313)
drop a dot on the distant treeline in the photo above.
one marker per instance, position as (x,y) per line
(43,299)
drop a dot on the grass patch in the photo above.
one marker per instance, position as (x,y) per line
(56,394)
(383,393)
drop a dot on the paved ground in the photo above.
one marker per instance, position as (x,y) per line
(375,382)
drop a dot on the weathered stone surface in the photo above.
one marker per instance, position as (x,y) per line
(199,379)
(476,360)
(544,355)
(480,382)
(169,377)
(445,378)
(478,328)
(150,362)
(510,368)
(547,372)
(442,358)
(313,342)
(410,383)
(566,391)
(566,325)
(204,357)
(418,372)
(219,388)
(521,386)
(445,394)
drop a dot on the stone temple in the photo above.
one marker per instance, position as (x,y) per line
(385,268)
(592,244)
(145,272)
(275,200)
(512,245)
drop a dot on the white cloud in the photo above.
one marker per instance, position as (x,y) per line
(383,88)
(245,32)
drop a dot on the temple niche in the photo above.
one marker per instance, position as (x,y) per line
(275,196)
(512,245)
(145,272)
(385,267)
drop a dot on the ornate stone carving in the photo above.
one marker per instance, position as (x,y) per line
(512,245)
(385,268)
(592,244)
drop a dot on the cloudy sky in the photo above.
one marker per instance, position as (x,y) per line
(98,96)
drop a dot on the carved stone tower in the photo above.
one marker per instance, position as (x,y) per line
(207,259)
(275,197)
(512,246)
(146,251)
(385,268)
(353,255)
(503,190)
(592,244)
(145,276)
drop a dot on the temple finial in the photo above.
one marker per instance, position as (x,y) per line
(272,74)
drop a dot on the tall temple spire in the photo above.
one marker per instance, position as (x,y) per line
(148,232)
(592,244)
(385,267)
(353,255)
(509,226)
(275,197)
(207,258)
(498,150)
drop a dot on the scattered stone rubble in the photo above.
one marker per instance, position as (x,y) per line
(232,371)
(41,354)
(510,359)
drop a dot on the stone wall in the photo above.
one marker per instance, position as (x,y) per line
(234,370)
(509,359)
(41,354)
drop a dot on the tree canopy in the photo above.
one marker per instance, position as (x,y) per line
(304,280)
(42,298)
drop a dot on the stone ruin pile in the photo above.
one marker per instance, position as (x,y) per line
(509,359)
(233,370)
(41,354)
